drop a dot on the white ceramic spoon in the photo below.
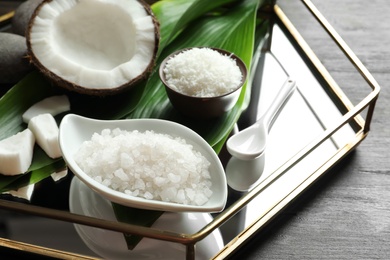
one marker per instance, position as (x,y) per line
(250,143)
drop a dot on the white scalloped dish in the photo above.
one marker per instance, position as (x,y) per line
(74,130)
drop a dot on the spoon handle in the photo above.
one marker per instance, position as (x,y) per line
(284,93)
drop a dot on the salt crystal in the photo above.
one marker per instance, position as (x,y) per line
(148,195)
(121,174)
(174,178)
(106,132)
(139,184)
(107,182)
(125,160)
(180,196)
(200,199)
(114,185)
(160,181)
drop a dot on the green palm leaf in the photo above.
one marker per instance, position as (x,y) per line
(233,30)
(174,15)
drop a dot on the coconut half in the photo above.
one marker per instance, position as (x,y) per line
(95,47)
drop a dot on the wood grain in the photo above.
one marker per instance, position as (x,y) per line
(347,214)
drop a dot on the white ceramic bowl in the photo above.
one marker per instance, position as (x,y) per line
(111,245)
(74,130)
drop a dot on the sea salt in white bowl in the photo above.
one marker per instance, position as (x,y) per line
(75,130)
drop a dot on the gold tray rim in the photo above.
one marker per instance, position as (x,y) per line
(353,114)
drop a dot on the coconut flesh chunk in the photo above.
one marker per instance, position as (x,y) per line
(23,192)
(56,176)
(93,46)
(45,129)
(16,153)
(53,105)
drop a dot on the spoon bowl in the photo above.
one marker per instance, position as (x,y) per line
(251,142)
(74,130)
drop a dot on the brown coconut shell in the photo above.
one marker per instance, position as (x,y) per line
(58,81)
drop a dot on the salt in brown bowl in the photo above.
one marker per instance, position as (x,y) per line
(204,107)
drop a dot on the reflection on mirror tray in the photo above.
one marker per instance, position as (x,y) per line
(112,245)
(242,175)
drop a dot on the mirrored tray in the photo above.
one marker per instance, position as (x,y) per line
(317,127)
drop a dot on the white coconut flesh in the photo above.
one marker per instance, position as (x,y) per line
(94,44)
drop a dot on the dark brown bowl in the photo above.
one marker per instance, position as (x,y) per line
(204,107)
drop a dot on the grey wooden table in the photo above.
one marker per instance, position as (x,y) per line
(347,214)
